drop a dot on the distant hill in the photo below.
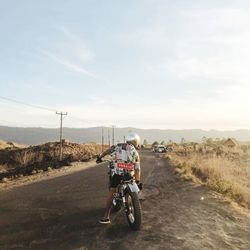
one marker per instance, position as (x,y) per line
(32,136)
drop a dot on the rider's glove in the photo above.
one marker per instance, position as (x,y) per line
(99,159)
(139,184)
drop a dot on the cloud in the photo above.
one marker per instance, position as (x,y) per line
(175,113)
(145,37)
(97,99)
(21,115)
(69,65)
(206,41)
(206,52)
(75,45)
(192,112)
(71,52)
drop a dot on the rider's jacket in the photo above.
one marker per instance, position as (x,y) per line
(123,153)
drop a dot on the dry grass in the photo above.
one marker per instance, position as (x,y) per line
(24,161)
(3,168)
(4,145)
(228,173)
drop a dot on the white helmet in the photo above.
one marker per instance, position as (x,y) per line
(133,138)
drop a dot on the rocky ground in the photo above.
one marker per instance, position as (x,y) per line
(18,161)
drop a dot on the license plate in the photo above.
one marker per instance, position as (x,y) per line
(127,166)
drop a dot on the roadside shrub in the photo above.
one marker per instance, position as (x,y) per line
(227,172)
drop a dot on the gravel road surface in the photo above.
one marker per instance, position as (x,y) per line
(62,212)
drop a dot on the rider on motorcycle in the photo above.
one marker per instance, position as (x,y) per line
(122,152)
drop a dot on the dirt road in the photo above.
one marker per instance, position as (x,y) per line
(63,213)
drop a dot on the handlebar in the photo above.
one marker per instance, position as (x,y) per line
(102,161)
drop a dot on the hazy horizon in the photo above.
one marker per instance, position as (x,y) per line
(126,127)
(95,134)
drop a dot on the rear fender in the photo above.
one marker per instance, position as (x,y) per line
(133,187)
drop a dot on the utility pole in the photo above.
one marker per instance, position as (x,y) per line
(61,118)
(113,135)
(102,139)
(108,137)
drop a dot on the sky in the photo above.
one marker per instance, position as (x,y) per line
(164,64)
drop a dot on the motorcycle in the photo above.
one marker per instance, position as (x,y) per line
(126,197)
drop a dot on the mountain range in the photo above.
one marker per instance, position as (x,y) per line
(32,136)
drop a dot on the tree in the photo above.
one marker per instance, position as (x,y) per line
(209,141)
(163,142)
(170,142)
(217,141)
(204,139)
(155,143)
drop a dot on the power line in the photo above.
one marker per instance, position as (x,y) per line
(86,120)
(27,104)
(48,109)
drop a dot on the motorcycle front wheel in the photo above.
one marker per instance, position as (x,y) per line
(116,205)
(133,213)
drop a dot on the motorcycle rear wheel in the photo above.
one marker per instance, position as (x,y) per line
(134,213)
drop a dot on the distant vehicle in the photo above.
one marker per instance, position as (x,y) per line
(160,149)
